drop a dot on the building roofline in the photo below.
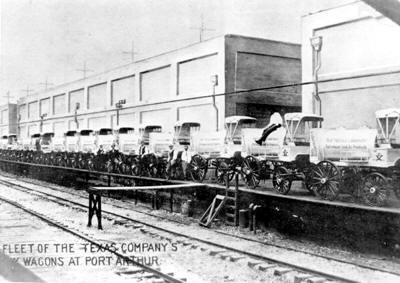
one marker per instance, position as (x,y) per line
(155,56)
(330,8)
(262,39)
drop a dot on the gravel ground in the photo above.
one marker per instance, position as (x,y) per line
(189,263)
(271,237)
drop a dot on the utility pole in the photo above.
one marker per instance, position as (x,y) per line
(202,28)
(131,53)
(77,106)
(27,90)
(214,82)
(8,97)
(316,43)
(118,107)
(84,70)
(46,84)
(41,121)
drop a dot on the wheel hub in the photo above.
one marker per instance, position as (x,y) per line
(323,180)
(372,190)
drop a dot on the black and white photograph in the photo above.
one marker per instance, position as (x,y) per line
(171,141)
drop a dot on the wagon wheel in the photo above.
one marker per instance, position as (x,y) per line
(374,189)
(308,178)
(326,180)
(222,170)
(281,180)
(197,168)
(251,172)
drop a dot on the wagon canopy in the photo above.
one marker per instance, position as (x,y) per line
(298,126)
(105,131)
(183,130)
(126,130)
(70,133)
(46,138)
(388,121)
(235,124)
(86,132)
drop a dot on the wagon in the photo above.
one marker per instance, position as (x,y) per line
(159,143)
(183,131)
(46,142)
(145,130)
(105,139)
(87,141)
(293,160)
(223,151)
(72,141)
(284,154)
(128,140)
(34,140)
(363,162)
(208,146)
(58,143)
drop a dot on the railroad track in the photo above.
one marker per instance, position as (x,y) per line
(143,272)
(258,261)
(84,196)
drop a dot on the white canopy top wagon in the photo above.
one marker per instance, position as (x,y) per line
(223,151)
(282,149)
(362,161)
(128,140)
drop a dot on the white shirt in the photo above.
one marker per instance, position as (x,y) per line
(186,156)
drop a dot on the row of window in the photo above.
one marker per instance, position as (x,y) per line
(66,103)
(193,78)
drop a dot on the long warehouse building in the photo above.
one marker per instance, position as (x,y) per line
(170,87)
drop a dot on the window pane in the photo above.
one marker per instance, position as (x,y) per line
(22,112)
(75,97)
(59,104)
(155,85)
(33,110)
(45,106)
(97,97)
(123,89)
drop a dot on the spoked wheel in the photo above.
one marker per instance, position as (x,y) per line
(374,189)
(222,171)
(251,172)
(326,180)
(308,178)
(281,180)
(197,168)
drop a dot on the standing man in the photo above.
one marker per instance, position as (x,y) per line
(171,160)
(143,150)
(186,158)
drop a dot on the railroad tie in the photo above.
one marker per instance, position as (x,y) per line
(265,266)
(281,271)
(299,278)
(213,253)
(252,264)
(316,280)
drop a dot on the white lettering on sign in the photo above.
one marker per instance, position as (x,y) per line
(355,145)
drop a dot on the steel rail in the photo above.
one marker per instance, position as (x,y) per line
(86,238)
(219,232)
(250,254)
